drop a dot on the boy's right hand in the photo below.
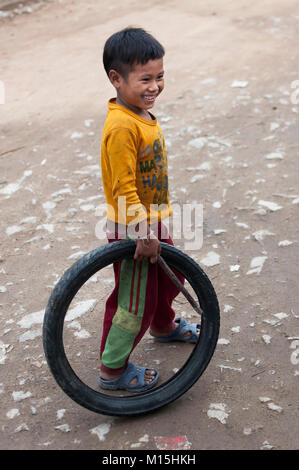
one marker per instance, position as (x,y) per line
(147,248)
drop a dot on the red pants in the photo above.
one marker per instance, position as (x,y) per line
(142,298)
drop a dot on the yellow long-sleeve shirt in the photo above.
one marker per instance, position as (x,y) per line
(134,167)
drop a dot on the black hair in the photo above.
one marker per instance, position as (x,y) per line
(128,47)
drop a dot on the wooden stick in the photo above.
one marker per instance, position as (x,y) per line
(12,150)
(179,285)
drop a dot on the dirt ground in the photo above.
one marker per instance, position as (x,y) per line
(229,112)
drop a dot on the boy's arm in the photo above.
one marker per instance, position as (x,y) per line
(122,148)
(148,247)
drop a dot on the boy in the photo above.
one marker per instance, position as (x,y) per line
(134,172)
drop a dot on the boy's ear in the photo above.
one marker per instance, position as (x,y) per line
(114,78)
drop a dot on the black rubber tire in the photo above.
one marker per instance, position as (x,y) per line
(151,400)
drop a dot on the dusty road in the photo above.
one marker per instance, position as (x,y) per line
(230,115)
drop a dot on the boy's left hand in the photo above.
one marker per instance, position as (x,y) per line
(147,248)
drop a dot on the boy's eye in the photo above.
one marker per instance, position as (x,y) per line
(160,77)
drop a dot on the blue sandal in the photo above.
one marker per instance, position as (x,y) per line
(179,334)
(123,382)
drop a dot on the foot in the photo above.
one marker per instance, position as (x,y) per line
(134,379)
(149,376)
(180,330)
(156,334)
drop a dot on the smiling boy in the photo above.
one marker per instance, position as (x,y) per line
(134,171)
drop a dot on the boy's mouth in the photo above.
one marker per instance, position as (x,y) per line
(150,99)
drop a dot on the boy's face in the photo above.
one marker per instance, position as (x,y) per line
(139,90)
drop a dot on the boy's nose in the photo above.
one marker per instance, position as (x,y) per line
(154,86)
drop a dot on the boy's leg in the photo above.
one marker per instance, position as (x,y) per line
(128,314)
(163,319)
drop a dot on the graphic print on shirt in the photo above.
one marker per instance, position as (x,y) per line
(153,167)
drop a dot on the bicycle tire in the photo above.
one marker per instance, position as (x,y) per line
(162,395)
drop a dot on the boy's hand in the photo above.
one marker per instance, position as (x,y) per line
(147,248)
